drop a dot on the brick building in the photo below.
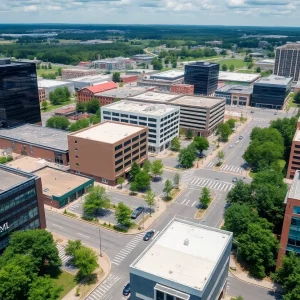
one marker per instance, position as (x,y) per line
(187,89)
(42,94)
(74,73)
(86,94)
(129,78)
(107,150)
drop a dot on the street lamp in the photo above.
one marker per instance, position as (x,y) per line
(100,242)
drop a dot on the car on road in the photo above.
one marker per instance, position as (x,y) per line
(126,290)
(234,179)
(137,212)
(252,112)
(149,235)
(241,137)
(231,146)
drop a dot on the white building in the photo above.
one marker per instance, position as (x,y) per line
(50,85)
(81,82)
(162,120)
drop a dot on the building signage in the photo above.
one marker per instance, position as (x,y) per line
(4,227)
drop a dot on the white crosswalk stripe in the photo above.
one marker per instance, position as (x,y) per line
(100,291)
(188,202)
(261,120)
(233,169)
(78,204)
(212,184)
(210,164)
(127,249)
(62,254)
(187,176)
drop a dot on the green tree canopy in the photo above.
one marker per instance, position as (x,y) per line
(123,214)
(59,95)
(95,200)
(241,193)
(168,188)
(150,199)
(116,77)
(92,106)
(201,143)
(189,133)
(58,122)
(147,165)
(157,167)
(187,157)
(231,123)
(176,180)
(231,68)
(72,246)
(79,124)
(224,67)
(135,169)
(175,144)
(120,181)
(80,107)
(223,131)
(205,197)
(297,97)
(142,180)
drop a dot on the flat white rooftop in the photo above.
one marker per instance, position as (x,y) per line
(238,77)
(92,78)
(141,108)
(185,253)
(108,132)
(197,101)
(153,96)
(47,83)
(169,74)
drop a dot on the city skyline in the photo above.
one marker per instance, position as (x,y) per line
(193,12)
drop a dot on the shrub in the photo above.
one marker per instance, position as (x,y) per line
(3,160)
(9,158)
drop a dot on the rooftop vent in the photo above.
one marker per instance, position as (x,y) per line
(186,242)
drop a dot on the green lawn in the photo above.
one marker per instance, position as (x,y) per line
(67,281)
(52,107)
(238,63)
(291,102)
(48,71)
(251,71)
(200,58)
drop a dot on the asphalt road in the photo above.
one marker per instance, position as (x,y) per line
(123,249)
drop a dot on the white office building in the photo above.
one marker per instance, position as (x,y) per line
(162,120)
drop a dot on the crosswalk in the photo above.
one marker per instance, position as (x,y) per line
(127,249)
(212,184)
(210,164)
(261,120)
(76,205)
(233,169)
(187,176)
(100,291)
(188,202)
(62,254)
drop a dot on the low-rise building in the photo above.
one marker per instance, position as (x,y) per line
(107,150)
(81,82)
(86,94)
(186,89)
(21,204)
(235,94)
(117,63)
(265,64)
(271,92)
(36,141)
(127,78)
(142,58)
(171,75)
(77,72)
(237,78)
(186,261)
(42,94)
(50,85)
(162,120)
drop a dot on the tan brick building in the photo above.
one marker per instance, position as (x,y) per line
(42,94)
(294,161)
(107,150)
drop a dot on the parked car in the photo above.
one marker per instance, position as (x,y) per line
(234,179)
(231,146)
(137,212)
(241,137)
(252,112)
(126,290)
(149,235)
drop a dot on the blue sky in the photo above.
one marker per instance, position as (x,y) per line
(202,12)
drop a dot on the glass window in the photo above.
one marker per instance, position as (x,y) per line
(152,125)
(118,147)
(124,121)
(118,161)
(160,295)
(119,168)
(296,210)
(127,143)
(127,163)
(152,141)
(127,156)
(152,120)
(107,118)
(143,118)
(143,134)
(133,117)
(135,152)
(142,154)
(133,122)
(115,119)
(135,158)
(153,130)
(169,297)
(127,149)
(142,141)
(142,124)
(124,116)
(115,114)
(58,158)
(107,113)
(119,154)
(135,138)
(135,145)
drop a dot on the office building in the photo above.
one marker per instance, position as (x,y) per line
(76,72)
(36,141)
(290,234)
(81,82)
(42,94)
(107,150)
(186,261)
(161,85)
(19,96)
(21,205)
(169,75)
(233,78)
(235,94)
(271,92)
(142,58)
(50,85)
(117,63)
(201,114)
(204,77)
(162,120)
(86,94)
(265,64)
(287,61)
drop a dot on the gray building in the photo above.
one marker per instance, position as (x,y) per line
(172,75)
(186,261)
(81,82)
(50,85)
(235,94)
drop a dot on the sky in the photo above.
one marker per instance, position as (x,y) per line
(194,12)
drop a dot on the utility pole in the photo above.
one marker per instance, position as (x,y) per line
(143,217)
(100,242)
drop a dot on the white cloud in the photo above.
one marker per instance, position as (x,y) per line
(30,8)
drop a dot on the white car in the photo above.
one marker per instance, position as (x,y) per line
(231,146)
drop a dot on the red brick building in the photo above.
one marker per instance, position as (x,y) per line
(187,89)
(129,78)
(86,94)
(42,94)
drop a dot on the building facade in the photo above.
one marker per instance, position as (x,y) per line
(73,73)
(107,150)
(186,261)
(162,120)
(50,85)
(235,94)
(265,64)
(129,78)
(271,92)
(19,96)
(186,89)
(204,76)
(42,94)
(21,205)
(287,61)
(82,82)
(290,235)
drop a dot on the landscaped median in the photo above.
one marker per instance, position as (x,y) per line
(205,201)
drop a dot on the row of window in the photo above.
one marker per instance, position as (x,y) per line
(118,147)
(129,162)
(129,116)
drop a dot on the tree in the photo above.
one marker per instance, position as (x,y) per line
(59,71)
(123,214)
(175,144)
(142,180)
(116,77)
(147,165)
(220,156)
(135,169)
(297,97)
(231,68)
(241,193)
(231,124)
(44,105)
(80,107)
(258,249)
(187,157)
(189,134)
(224,131)
(205,197)
(59,95)
(168,188)
(92,106)
(58,122)
(223,52)
(176,180)
(94,119)
(133,187)
(258,70)
(250,65)
(79,124)
(157,64)
(174,64)
(95,200)
(86,260)
(150,199)
(72,246)
(157,168)
(201,143)
(44,288)
(224,67)
(120,181)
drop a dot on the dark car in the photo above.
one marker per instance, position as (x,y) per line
(137,212)
(241,137)
(126,290)
(149,235)
(234,179)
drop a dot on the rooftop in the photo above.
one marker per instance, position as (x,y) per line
(7,62)
(124,92)
(47,83)
(91,78)
(172,74)
(202,64)
(197,101)
(79,69)
(266,61)
(57,183)
(44,137)
(275,80)
(242,77)
(155,96)
(185,253)
(101,87)
(236,89)
(148,109)
(108,132)
(294,191)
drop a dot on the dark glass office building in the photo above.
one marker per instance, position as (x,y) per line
(19,98)
(271,92)
(21,204)
(204,76)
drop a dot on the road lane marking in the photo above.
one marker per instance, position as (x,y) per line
(83,235)
(57,225)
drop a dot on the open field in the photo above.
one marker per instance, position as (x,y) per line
(238,63)
(52,107)
(67,281)
(248,71)
(7,42)
(48,71)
